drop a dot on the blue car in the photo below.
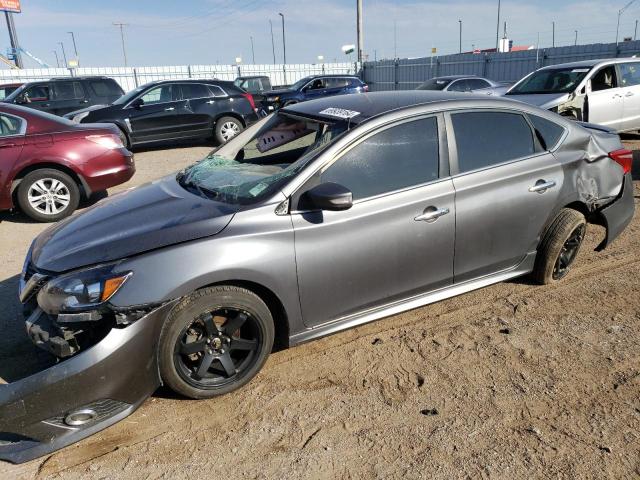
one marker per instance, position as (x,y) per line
(315,86)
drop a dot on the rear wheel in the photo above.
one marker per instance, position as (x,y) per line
(560,246)
(215,341)
(48,195)
(227,128)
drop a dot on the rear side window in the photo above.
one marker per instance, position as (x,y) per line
(548,131)
(484,139)
(10,125)
(194,90)
(459,86)
(477,84)
(399,157)
(105,88)
(337,82)
(68,91)
(217,91)
(630,74)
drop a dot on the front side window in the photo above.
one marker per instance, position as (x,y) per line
(160,94)
(399,157)
(317,84)
(459,86)
(604,79)
(37,93)
(484,139)
(68,91)
(553,80)
(242,173)
(630,74)
(10,125)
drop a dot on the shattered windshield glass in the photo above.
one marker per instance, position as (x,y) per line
(277,152)
(557,80)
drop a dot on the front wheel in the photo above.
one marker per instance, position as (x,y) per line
(48,195)
(227,128)
(215,341)
(560,246)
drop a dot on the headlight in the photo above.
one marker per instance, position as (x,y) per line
(79,117)
(84,290)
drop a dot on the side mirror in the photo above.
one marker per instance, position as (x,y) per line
(137,103)
(329,196)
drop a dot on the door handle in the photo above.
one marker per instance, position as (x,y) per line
(629,94)
(431,214)
(170,109)
(84,101)
(617,95)
(211,102)
(542,186)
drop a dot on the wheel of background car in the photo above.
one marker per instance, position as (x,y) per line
(560,246)
(215,341)
(48,195)
(227,128)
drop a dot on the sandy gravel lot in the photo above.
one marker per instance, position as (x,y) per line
(513,381)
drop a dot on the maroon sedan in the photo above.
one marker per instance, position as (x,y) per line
(47,163)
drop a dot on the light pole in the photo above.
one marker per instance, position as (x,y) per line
(498,29)
(620,12)
(576,42)
(273,45)
(57,60)
(124,51)
(284,51)
(635,32)
(253,53)
(64,54)
(75,48)
(460,22)
(553,34)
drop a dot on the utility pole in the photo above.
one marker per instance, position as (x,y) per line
(360,31)
(124,50)
(635,32)
(57,60)
(620,12)
(498,29)
(75,48)
(253,53)
(395,39)
(576,42)
(284,50)
(13,38)
(553,34)
(273,45)
(64,54)
(460,22)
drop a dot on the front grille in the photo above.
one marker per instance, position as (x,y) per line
(104,409)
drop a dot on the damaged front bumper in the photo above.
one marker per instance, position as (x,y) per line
(617,215)
(82,394)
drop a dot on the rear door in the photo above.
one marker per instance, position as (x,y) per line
(380,250)
(12,131)
(67,97)
(196,113)
(157,117)
(605,98)
(629,74)
(500,173)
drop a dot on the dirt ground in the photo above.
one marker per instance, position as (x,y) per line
(512,381)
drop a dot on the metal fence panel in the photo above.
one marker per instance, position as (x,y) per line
(407,74)
(132,77)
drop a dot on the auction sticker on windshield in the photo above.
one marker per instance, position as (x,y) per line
(339,112)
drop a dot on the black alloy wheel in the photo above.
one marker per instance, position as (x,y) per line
(568,252)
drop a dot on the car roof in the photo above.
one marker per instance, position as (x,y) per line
(190,80)
(248,77)
(455,77)
(591,63)
(17,84)
(372,104)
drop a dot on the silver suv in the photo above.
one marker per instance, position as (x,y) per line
(605,92)
(324,216)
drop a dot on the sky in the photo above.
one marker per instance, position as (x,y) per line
(182,32)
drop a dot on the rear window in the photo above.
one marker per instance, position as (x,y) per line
(484,139)
(548,131)
(105,88)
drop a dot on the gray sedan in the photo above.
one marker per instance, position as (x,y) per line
(321,217)
(466,84)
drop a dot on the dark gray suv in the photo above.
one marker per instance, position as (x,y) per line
(324,216)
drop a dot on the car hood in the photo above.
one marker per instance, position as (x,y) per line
(151,216)
(542,100)
(88,109)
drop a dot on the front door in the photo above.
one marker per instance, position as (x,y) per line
(605,100)
(12,130)
(506,186)
(397,238)
(157,117)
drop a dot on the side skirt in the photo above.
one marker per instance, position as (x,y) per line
(525,267)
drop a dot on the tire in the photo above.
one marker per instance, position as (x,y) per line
(196,344)
(48,195)
(559,246)
(226,128)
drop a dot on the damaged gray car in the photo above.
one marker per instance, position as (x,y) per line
(604,92)
(321,217)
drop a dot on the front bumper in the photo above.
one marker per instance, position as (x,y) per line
(617,215)
(109,380)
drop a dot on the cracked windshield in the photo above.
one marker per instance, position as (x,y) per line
(261,166)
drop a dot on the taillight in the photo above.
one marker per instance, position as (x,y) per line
(365,88)
(624,158)
(249,97)
(107,141)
